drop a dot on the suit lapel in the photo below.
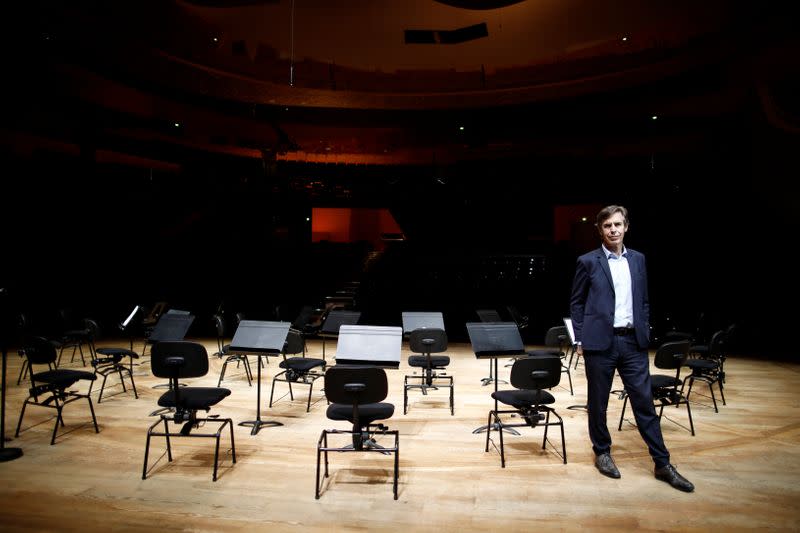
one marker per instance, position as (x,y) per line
(603,262)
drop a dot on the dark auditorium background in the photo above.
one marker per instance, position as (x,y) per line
(256,156)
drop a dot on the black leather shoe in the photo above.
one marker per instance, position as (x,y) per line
(605,464)
(670,475)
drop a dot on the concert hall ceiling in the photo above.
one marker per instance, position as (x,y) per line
(389,82)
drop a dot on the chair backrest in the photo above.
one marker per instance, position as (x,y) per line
(716,345)
(92,333)
(179,359)
(39,351)
(427,340)
(356,384)
(538,372)
(556,337)
(303,317)
(294,343)
(92,328)
(672,355)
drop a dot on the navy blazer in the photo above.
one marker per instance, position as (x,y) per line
(592,301)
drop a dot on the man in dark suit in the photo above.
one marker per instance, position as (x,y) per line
(611,320)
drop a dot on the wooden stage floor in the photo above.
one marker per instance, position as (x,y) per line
(744,462)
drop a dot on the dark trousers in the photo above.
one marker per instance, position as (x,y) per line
(633,365)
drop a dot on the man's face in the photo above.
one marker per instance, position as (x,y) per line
(612,231)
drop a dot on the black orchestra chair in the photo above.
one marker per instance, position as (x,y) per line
(706,363)
(107,361)
(427,341)
(530,401)
(666,387)
(297,370)
(49,387)
(76,339)
(223,350)
(176,360)
(357,393)
(557,343)
(308,322)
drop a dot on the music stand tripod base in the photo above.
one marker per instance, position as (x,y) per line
(257,424)
(263,339)
(9,454)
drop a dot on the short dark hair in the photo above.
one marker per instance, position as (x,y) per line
(608,211)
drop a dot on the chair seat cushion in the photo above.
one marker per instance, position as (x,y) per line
(194,397)
(301,364)
(422,361)
(660,381)
(523,398)
(368,412)
(117,352)
(62,377)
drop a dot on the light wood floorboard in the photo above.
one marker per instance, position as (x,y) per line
(744,461)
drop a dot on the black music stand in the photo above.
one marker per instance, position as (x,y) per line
(369,345)
(491,340)
(262,339)
(335,319)
(126,326)
(571,333)
(421,319)
(6,454)
(171,327)
(490,315)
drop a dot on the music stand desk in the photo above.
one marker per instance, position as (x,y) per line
(420,320)
(492,340)
(262,339)
(171,327)
(369,345)
(335,319)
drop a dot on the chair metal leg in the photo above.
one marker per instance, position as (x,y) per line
(216,456)
(396,461)
(622,415)
(102,388)
(222,372)
(23,371)
(452,402)
(308,403)
(55,426)
(502,445)
(405,395)
(569,377)
(21,414)
(713,396)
